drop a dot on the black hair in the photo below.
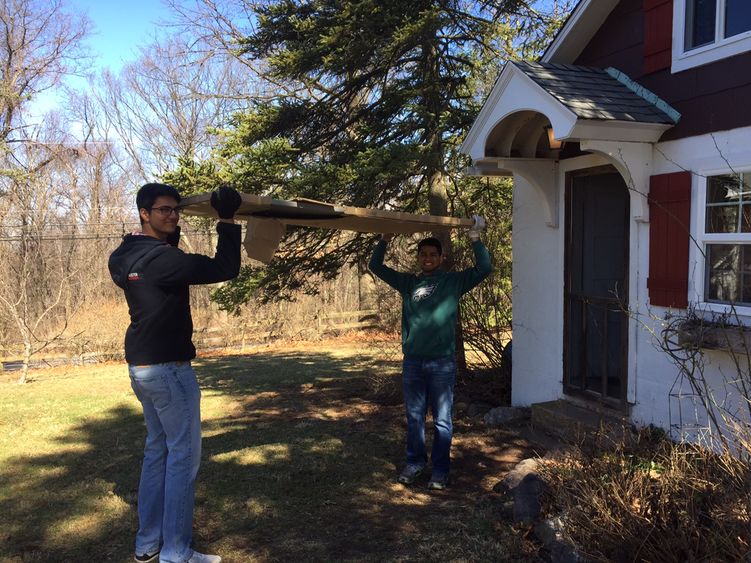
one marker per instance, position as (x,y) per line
(430,241)
(148,194)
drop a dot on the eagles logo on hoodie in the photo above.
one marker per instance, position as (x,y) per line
(424,292)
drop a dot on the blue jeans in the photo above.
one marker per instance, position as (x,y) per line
(171,401)
(429,382)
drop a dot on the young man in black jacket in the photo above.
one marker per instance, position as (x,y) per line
(155,276)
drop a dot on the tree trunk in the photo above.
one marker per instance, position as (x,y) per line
(366,295)
(436,176)
(26,361)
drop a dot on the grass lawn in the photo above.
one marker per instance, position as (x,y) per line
(298,464)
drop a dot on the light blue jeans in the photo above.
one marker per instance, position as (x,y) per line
(429,382)
(171,402)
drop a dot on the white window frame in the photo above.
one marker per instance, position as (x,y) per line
(721,48)
(703,238)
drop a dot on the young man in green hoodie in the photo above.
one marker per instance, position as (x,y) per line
(429,308)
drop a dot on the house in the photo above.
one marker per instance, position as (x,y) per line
(629,144)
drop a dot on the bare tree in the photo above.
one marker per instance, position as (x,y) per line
(166,105)
(40,43)
(36,267)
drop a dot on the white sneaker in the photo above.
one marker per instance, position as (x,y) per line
(202,558)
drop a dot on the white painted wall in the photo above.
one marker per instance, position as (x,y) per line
(656,392)
(537,296)
(662,397)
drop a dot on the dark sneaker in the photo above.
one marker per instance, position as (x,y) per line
(438,482)
(409,474)
(147,557)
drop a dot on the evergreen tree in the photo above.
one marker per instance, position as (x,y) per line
(383,92)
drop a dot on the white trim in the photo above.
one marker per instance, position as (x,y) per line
(514,92)
(701,238)
(721,48)
(616,130)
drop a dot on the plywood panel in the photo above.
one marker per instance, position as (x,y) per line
(309,213)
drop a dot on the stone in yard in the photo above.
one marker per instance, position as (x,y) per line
(522,469)
(550,534)
(527,498)
(478,409)
(504,415)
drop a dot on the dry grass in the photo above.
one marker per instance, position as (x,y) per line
(649,499)
(298,465)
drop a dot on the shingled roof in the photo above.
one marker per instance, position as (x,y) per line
(594,93)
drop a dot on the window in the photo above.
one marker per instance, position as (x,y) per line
(728,239)
(710,30)
(702,17)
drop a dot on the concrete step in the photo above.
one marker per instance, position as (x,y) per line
(572,422)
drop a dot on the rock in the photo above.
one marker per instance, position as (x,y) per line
(548,531)
(478,409)
(527,498)
(522,469)
(550,534)
(507,510)
(563,552)
(504,415)
(460,407)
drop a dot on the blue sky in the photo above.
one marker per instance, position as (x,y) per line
(120,27)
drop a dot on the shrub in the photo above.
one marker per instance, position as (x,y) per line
(649,499)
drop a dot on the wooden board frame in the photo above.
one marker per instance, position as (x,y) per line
(310,213)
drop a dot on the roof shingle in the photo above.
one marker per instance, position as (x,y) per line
(594,93)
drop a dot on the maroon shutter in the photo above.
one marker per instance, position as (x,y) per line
(669,215)
(658,34)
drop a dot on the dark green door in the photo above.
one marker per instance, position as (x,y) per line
(596,335)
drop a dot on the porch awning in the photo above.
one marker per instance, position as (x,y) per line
(533,104)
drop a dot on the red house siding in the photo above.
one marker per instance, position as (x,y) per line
(658,34)
(709,97)
(669,215)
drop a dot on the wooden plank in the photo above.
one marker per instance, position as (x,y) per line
(311,213)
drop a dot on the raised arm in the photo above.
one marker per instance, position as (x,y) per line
(175,267)
(390,276)
(471,277)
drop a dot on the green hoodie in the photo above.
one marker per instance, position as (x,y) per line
(429,302)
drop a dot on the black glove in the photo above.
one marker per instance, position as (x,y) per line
(226,201)
(174,238)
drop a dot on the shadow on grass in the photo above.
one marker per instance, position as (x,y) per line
(76,493)
(297,464)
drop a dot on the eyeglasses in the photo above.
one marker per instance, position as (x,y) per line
(166,210)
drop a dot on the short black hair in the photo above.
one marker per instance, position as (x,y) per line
(430,241)
(148,194)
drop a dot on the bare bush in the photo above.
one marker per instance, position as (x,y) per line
(649,499)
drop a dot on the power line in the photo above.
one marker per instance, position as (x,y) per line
(90,236)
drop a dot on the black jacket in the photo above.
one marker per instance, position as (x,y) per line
(155,277)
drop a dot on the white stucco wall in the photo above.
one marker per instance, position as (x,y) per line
(537,299)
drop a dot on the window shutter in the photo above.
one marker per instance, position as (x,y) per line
(669,216)
(658,34)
